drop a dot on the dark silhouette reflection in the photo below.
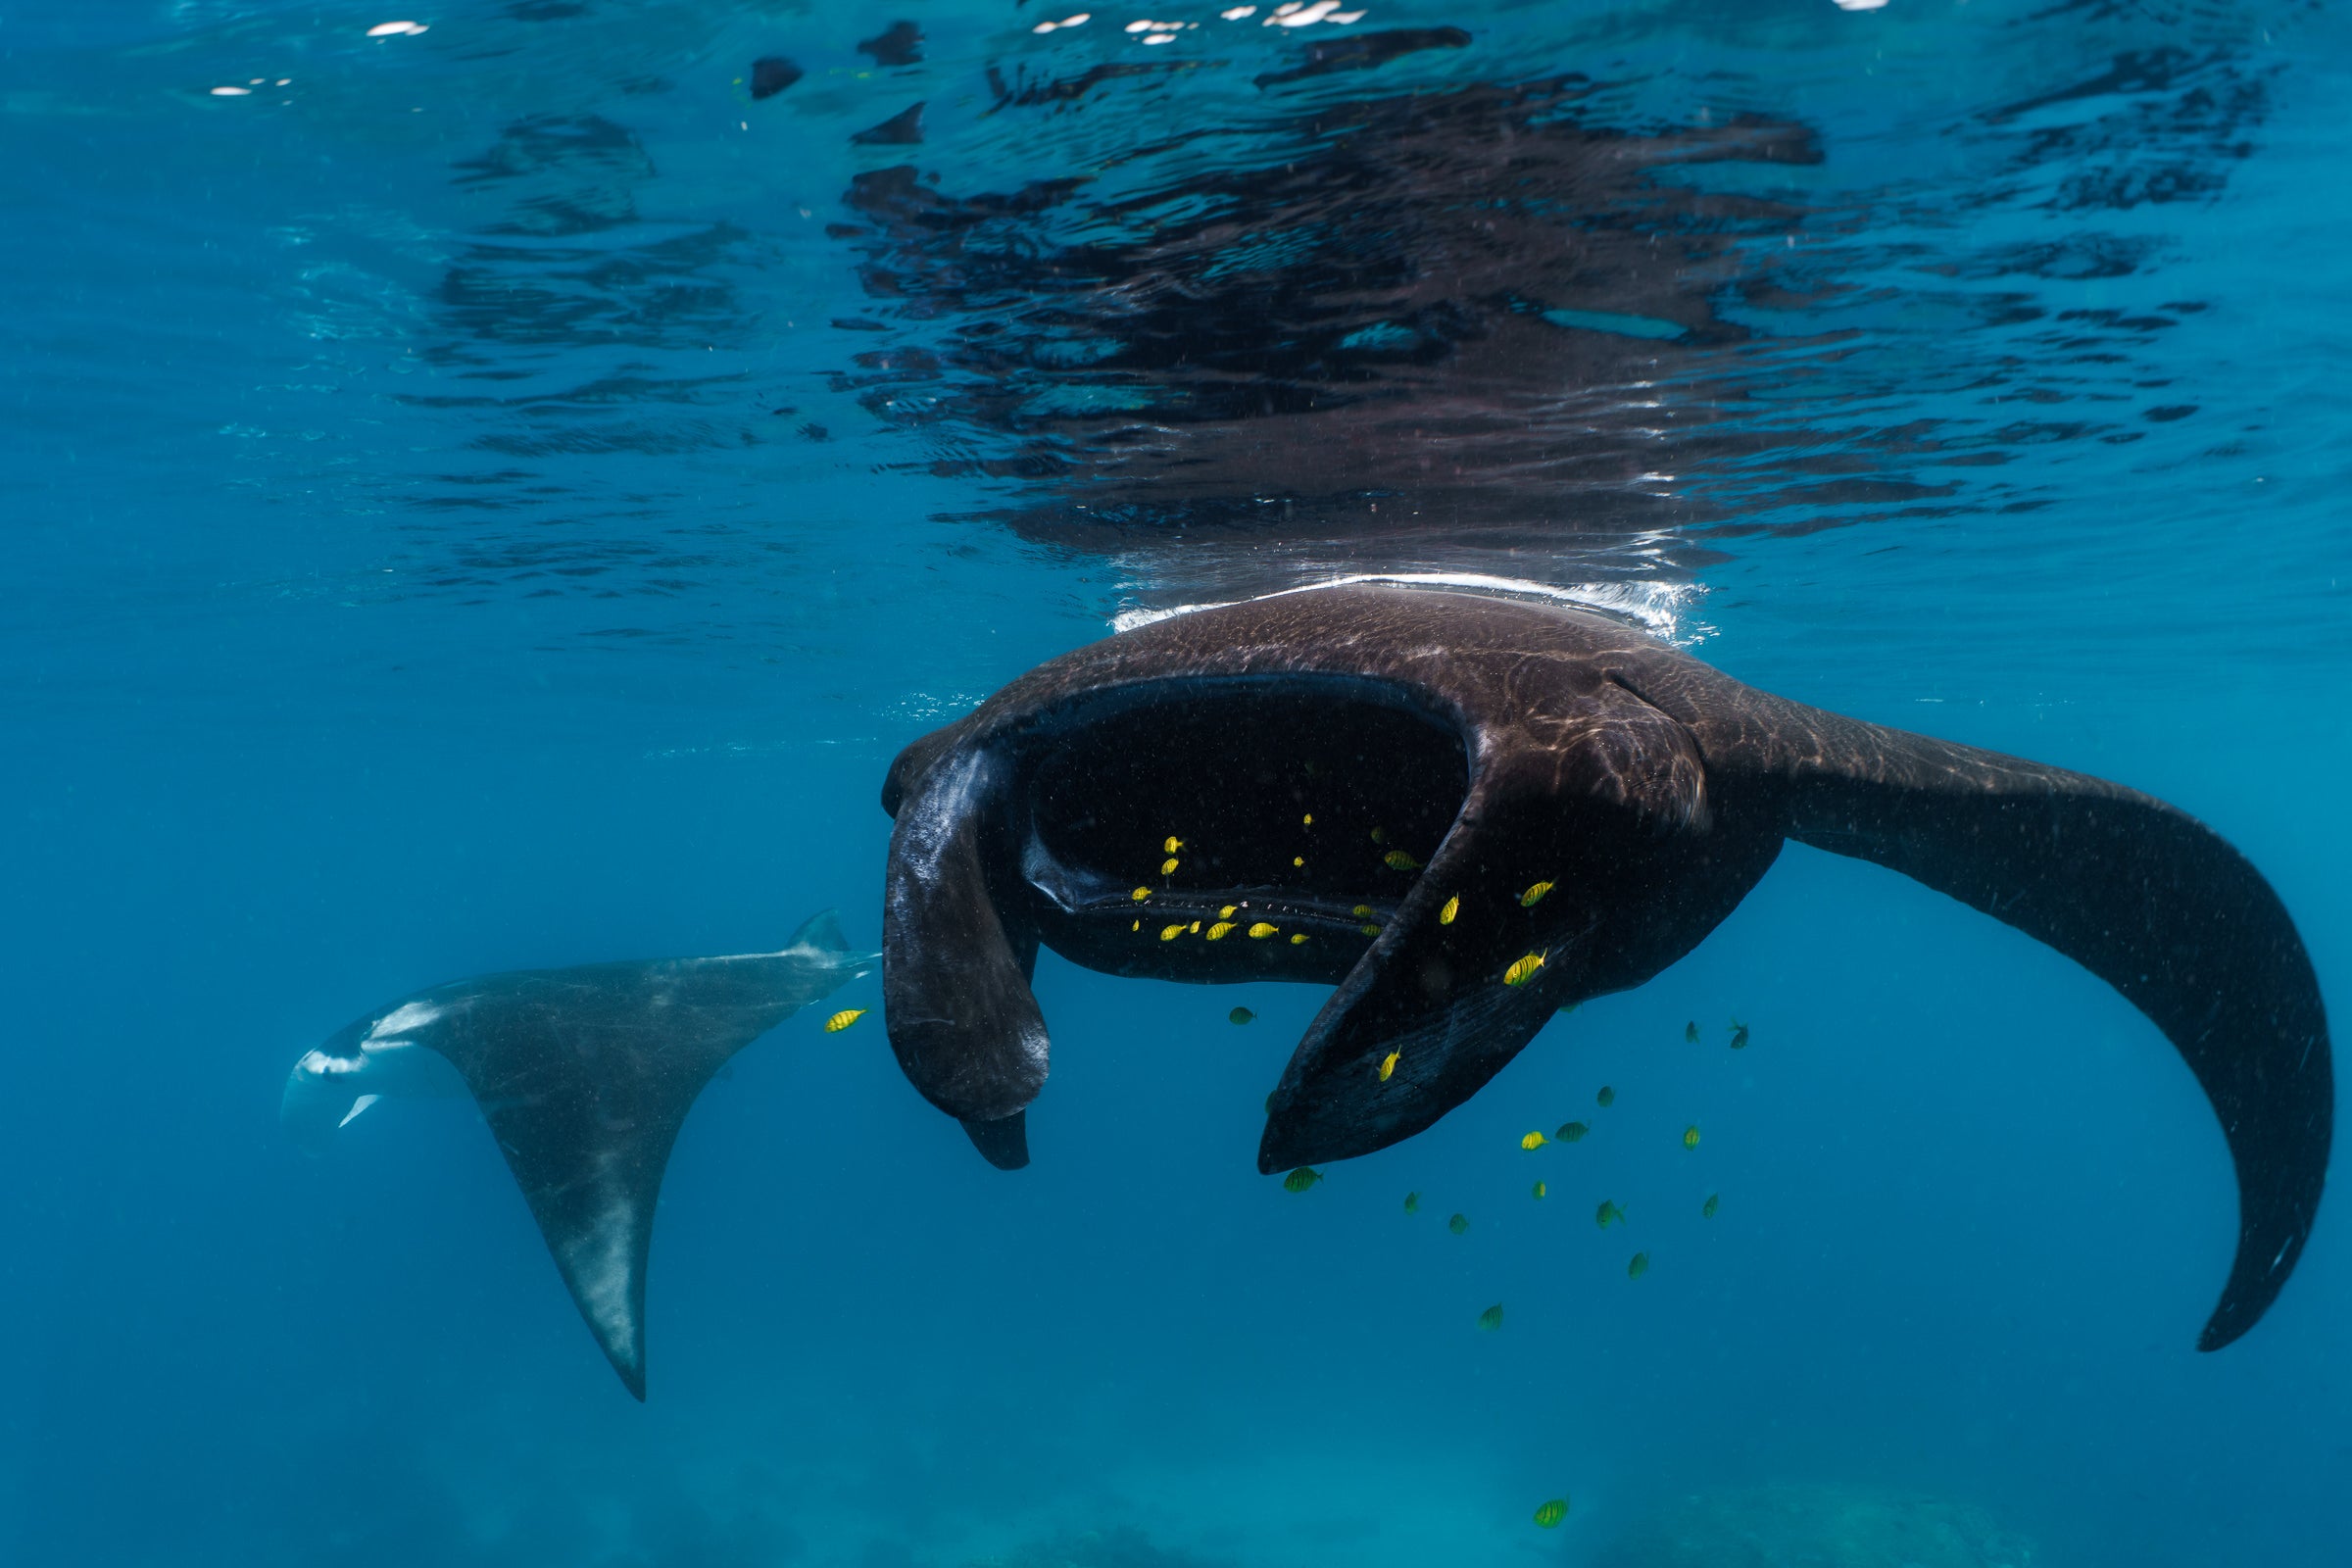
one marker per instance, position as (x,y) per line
(1448,313)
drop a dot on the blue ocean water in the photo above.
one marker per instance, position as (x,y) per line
(495,494)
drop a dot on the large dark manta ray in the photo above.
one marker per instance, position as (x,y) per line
(1499,744)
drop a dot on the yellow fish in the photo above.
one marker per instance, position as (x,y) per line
(1607,1213)
(1492,1318)
(1398,861)
(1298,936)
(1706,1211)
(1140,895)
(1309,819)
(1369,930)
(1262,930)
(1534,895)
(1167,865)
(1195,928)
(1387,1064)
(1637,1267)
(1362,911)
(1534,1140)
(1690,1138)
(1226,913)
(1552,1513)
(1380,835)
(1170,933)
(1522,970)
(843,1019)
(1217,932)
(1136,925)
(1239,1015)
(1537,1190)
(1459,1224)
(1570,1132)
(1607,1097)
(1299,1180)
(1172,845)
(1298,860)
(1412,1203)
(1454,907)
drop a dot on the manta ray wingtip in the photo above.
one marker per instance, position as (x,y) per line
(1003,1143)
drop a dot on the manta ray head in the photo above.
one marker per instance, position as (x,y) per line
(1322,822)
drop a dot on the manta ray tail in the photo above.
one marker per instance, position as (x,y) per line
(2144,897)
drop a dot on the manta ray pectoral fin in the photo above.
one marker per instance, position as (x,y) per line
(2144,897)
(955,995)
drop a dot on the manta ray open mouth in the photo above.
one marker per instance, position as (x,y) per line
(1463,813)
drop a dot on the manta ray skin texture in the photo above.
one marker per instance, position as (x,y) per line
(1496,744)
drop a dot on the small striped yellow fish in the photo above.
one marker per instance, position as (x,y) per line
(1534,1140)
(1706,1211)
(1534,895)
(1140,895)
(1690,1138)
(1637,1267)
(1298,860)
(1380,835)
(1369,930)
(1226,913)
(1608,1211)
(1219,931)
(1570,1132)
(1299,1180)
(1537,1190)
(1606,1097)
(1412,1203)
(1309,819)
(1454,907)
(1134,925)
(1262,930)
(1193,928)
(1552,1513)
(1298,936)
(1172,845)
(843,1019)
(1362,911)
(1459,1224)
(1170,933)
(1523,969)
(1398,861)
(1387,1064)
(1167,865)
(1241,1015)
(1491,1319)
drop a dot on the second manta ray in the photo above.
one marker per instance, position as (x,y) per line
(1468,812)
(585,1076)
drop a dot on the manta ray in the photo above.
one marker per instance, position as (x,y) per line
(1465,812)
(585,1076)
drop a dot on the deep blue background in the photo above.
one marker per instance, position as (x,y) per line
(351,644)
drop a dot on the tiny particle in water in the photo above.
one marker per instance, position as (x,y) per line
(1637,1267)
(1241,1015)
(1550,1513)
(1454,907)
(1491,1319)
(1459,1225)
(1570,1132)
(843,1019)
(1607,1097)
(1529,899)
(1299,1180)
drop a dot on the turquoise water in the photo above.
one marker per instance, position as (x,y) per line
(498,497)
